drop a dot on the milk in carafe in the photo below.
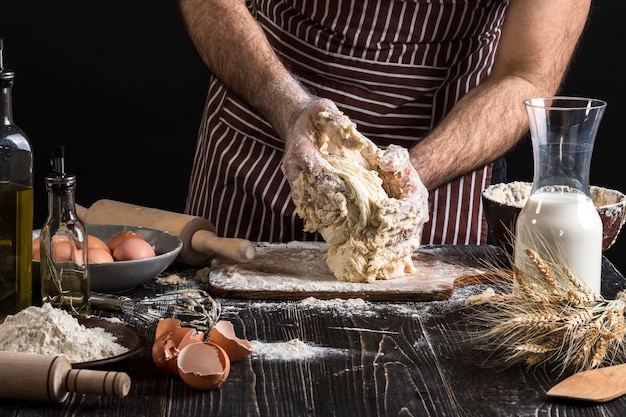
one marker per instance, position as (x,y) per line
(559,221)
(564,226)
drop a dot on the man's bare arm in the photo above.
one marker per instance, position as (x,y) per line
(538,40)
(235,49)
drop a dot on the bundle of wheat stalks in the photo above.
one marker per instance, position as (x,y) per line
(548,316)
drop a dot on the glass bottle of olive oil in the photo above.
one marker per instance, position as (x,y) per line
(16,204)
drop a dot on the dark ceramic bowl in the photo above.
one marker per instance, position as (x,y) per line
(122,276)
(501,213)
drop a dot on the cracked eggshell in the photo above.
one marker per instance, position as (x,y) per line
(165,325)
(168,344)
(223,334)
(203,366)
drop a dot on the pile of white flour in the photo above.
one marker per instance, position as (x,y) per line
(294,349)
(512,194)
(47,330)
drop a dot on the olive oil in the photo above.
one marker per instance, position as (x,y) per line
(16,205)
(16,219)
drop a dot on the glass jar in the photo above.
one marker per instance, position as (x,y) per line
(559,220)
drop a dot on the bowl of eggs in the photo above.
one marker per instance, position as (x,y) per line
(502,203)
(120,258)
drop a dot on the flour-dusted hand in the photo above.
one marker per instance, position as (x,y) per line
(401,180)
(302,151)
(373,228)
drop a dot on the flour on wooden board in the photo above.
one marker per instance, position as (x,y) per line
(47,330)
(278,269)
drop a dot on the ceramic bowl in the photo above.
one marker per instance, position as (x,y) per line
(503,202)
(122,276)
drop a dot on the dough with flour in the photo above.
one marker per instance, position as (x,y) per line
(371,234)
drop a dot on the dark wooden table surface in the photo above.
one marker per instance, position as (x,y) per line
(381,359)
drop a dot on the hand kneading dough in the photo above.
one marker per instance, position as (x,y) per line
(371,234)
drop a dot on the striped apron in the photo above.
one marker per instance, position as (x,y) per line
(394,67)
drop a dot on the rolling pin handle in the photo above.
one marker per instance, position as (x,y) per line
(85,381)
(50,378)
(240,250)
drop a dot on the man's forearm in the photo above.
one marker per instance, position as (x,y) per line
(235,49)
(538,40)
(481,127)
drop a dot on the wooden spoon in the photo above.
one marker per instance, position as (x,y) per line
(598,385)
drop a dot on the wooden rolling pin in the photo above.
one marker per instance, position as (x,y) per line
(29,376)
(200,242)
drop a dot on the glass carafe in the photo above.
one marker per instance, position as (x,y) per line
(559,220)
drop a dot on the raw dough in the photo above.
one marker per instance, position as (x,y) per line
(371,234)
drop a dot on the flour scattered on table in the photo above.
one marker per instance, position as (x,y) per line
(339,306)
(294,349)
(47,330)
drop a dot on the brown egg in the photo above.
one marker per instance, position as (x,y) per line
(36,249)
(121,236)
(223,334)
(63,250)
(203,366)
(96,242)
(99,255)
(133,249)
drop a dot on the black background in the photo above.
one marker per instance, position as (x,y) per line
(120,85)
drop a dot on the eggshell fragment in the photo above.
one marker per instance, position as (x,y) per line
(203,366)
(132,249)
(223,334)
(170,338)
(165,325)
(164,354)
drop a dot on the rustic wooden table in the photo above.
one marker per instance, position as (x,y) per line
(373,359)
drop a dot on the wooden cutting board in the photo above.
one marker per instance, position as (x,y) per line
(297,271)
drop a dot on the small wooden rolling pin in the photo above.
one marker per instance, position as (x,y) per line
(200,242)
(34,377)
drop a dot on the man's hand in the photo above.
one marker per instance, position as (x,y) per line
(301,148)
(321,118)
(400,178)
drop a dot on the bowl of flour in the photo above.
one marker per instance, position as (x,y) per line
(502,203)
(87,341)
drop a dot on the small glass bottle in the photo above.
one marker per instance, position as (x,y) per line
(16,205)
(64,271)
